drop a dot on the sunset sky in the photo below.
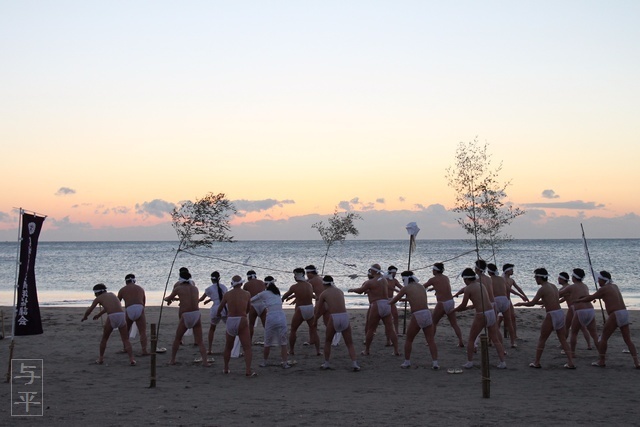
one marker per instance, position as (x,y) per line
(111,113)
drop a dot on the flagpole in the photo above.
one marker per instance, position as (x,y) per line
(404,320)
(593,274)
(15,287)
(15,290)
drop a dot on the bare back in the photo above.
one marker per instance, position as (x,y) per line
(109,302)
(579,290)
(188,295)
(333,298)
(442,286)
(316,284)
(303,292)
(499,286)
(416,295)
(132,294)
(478,296)
(488,284)
(610,294)
(377,288)
(236,301)
(254,286)
(549,296)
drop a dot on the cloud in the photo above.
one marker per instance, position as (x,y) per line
(66,224)
(344,205)
(156,207)
(575,204)
(118,210)
(244,206)
(549,194)
(4,217)
(402,199)
(380,200)
(65,191)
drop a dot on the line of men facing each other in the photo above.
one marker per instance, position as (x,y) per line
(259,304)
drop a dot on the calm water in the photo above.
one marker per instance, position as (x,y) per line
(67,271)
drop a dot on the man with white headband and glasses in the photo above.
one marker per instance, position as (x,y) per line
(303,294)
(584,313)
(416,294)
(376,289)
(331,302)
(236,301)
(618,317)
(547,295)
(485,316)
(445,304)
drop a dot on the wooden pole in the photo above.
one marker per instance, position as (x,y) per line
(486,376)
(154,344)
(8,379)
(2,321)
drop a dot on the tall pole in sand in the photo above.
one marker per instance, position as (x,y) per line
(412,229)
(15,290)
(593,273)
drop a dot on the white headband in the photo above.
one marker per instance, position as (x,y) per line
(493,271)
(236,283)
(434,268)
(183,280)
(576,276)
(541,275)
(324,282)
(469,277)
(508,269)
(405,279)
(131,280)
(270,282)
(377,270)
(601,277)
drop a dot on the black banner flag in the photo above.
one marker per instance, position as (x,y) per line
(27,320)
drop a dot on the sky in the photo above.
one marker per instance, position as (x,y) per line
(113,113)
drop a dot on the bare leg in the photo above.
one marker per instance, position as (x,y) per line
(212,331)
(197,336)
(626,335)
(388,328)
(454,324)
(245,340)
(103,342)
(227,351)
(141,323)
(296,321)
(180,330)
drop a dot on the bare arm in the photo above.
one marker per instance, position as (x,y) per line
(100,313)
(534,301)
(520,292)
(463,304)
(90,309)
(399,295)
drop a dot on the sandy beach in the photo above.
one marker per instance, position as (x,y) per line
(77,391)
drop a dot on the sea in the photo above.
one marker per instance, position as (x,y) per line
(67,271)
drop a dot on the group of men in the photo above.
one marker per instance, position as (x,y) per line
(489,294)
